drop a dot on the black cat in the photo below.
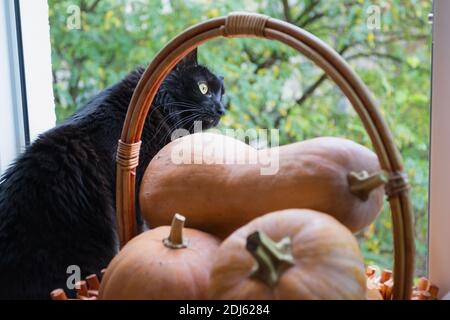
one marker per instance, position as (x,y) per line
(57,202)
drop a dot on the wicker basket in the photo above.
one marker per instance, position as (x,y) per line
(255,25)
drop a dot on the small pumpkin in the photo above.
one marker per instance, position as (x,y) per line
(290,254)
(163,263)
(211,179)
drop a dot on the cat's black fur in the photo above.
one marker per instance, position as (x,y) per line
(57,202)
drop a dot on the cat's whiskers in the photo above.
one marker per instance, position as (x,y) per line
(163,122)
(168,116)
(176,125)
(174,103)
(181,123)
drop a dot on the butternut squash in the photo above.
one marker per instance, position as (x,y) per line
(217,184)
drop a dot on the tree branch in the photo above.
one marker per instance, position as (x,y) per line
(55,93)
(312,19)
(311,5)
(306,94)
(83,5)
(270,61)
(312,88)
(318,15)
(374,54)
(380,55)
(86,8)
(287,11)
(93,5)
(73,87)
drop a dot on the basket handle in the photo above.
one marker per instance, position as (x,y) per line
(256,25)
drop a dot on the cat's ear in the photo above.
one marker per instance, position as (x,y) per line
(188,61)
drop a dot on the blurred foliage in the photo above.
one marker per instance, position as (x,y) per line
(268,84)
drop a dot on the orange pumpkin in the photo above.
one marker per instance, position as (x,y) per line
(222,189)
(290,254)
(163,263)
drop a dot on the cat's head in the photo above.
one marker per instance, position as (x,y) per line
(196,92)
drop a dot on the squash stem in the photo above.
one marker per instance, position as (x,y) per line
(175,239)
(272,258)
(362,184)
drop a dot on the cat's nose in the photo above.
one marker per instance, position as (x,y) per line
(220,111)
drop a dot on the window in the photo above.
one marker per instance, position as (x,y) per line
(439,254)
(11,88)
(26,78)
(268,84)
(49,71)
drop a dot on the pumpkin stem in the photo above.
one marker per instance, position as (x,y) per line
(362,184)
(175,239)
(272,258)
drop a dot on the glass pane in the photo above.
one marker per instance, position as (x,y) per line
(269,85)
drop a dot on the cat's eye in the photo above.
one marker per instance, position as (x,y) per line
(203,87)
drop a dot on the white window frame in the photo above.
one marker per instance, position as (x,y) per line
(439,193)
(11,88)
(26,76)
